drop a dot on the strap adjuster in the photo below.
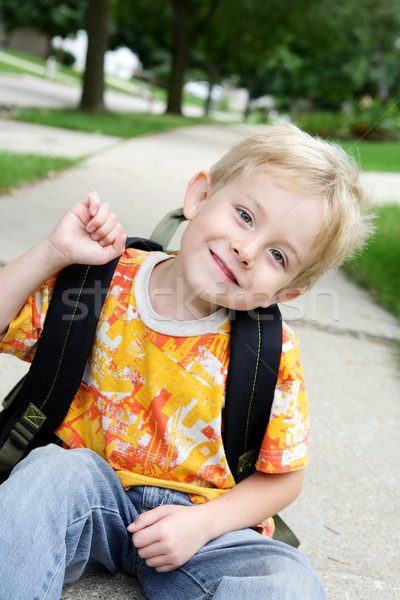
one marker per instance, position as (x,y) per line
(27,426)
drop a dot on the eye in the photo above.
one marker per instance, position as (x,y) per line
(245,216)
(278,256)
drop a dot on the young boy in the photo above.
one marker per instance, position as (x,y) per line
(142,483)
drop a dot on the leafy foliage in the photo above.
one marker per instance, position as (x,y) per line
(328,53)
(51,17)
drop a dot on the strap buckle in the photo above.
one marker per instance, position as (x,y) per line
(27,426)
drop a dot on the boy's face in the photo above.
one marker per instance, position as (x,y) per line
(246,242)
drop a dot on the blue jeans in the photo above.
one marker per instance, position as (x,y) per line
(64,513)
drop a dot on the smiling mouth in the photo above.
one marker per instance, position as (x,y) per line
(225,269)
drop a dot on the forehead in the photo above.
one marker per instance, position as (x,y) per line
(269,191)
(289,216)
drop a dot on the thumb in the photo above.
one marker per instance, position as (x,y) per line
(119,243)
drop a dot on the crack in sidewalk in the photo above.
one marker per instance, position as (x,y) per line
(355,333)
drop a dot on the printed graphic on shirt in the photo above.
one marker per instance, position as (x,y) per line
(152,404)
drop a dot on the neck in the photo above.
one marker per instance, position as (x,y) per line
(170,297)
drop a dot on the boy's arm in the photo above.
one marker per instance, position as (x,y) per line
(168,536)
(87,234)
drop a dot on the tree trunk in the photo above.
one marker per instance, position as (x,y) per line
(212,79)
(382,82)
(179,57)
(250,89)
(92,99)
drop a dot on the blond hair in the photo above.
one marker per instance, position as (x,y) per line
(314,167)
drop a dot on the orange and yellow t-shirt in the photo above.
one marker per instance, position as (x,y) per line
(153,391)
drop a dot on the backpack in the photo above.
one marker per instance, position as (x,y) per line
(37,405)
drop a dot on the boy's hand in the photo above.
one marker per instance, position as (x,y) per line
(167,536)
(88,233)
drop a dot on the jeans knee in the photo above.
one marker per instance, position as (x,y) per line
(45,460)
(300,578)
(53,456)
(290,573)
(57,467)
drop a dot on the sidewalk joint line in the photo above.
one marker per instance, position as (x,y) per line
(371,337)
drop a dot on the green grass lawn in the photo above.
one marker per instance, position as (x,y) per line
(157,93)
(371,156)
(378,267)
(32,58)
(125,125)
(17,169)
(375,156)
(6,68)
(36,66)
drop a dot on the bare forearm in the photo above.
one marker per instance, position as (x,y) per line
(88,234)
(251,501)
(19,279)
(167,536)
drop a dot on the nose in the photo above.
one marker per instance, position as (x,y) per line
(245,252)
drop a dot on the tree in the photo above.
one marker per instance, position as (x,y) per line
(294,49)
(376,33)
(92,99)
(55,17)
(180,52)
(50,17)
(343,50)
(179,24)
(246,41)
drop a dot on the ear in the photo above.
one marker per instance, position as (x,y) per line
(196,193)
(287,294)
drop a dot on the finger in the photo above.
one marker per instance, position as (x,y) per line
(160,564)
(116,238)
(110,238)
(161,561)
(146,519)
(154,557)
(165,568)
(152,551)
(106,229)
(145,537)
(102,214)
(86,208)
(94,202)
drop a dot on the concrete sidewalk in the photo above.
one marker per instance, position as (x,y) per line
(30,90)
(348,514)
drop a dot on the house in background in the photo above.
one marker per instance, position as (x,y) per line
(28,40)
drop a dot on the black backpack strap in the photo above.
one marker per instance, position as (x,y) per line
(39,402)
(255,352)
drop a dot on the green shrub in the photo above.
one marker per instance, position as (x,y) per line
(378,267)
(376,122)
(63,56)
(325,124)
(370,122)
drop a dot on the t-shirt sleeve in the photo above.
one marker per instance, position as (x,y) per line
(24,331)
(284,447)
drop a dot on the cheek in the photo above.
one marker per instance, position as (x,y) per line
(190,239)
(267,282)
